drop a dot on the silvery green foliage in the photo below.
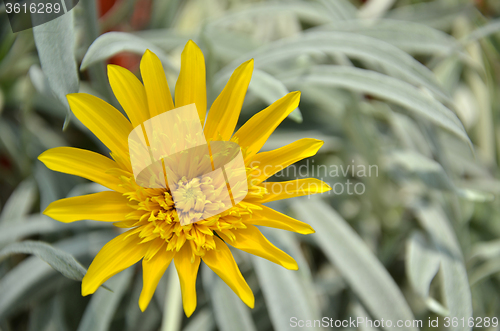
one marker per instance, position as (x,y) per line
(406,86)
(55,43)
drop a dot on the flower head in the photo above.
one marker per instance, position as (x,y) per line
(166,224)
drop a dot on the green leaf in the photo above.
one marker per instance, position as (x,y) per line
(381,86)
(284,295)
(485,270)
(269,89)
(39,80)
(112,43)
(375,8)
(485,128)
(163,13)
(103,304)
(230,312)
(135,319)
(9,143)
(201,321)
(48,316)
(32,274)
(339,9)
(166,39)
(414,38)
(91,30)
(20,202)
(448,72)
(55,43)
(56,258)
(283,137)
(422,262)
(455,284)
(120,13)
(475,195)
(287,293)
(172,308)
(37,224)
(364,273)
(359,311)
(23,282)
(310,12)
(40,225)
(50,188)
(486,250)
(491,28)
(436,14)
(427,170)
(371,50)
(408,132)
(228,45)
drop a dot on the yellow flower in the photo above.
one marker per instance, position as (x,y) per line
(154,234)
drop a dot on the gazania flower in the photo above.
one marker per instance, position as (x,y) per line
(155,234)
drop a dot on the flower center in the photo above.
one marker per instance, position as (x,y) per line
(191,202)
(198,202)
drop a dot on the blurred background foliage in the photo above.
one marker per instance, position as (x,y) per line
(410,86)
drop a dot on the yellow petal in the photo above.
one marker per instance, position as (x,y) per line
(293,188)
(105,121)
(152,271)
(225,110)
(155,82)
(254,133)
(273,219)
(221,261)
(82,163)
(187,270)
(107,206)
(274,161)
(117,255)
(252,241)
(130,93)
(191,84)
